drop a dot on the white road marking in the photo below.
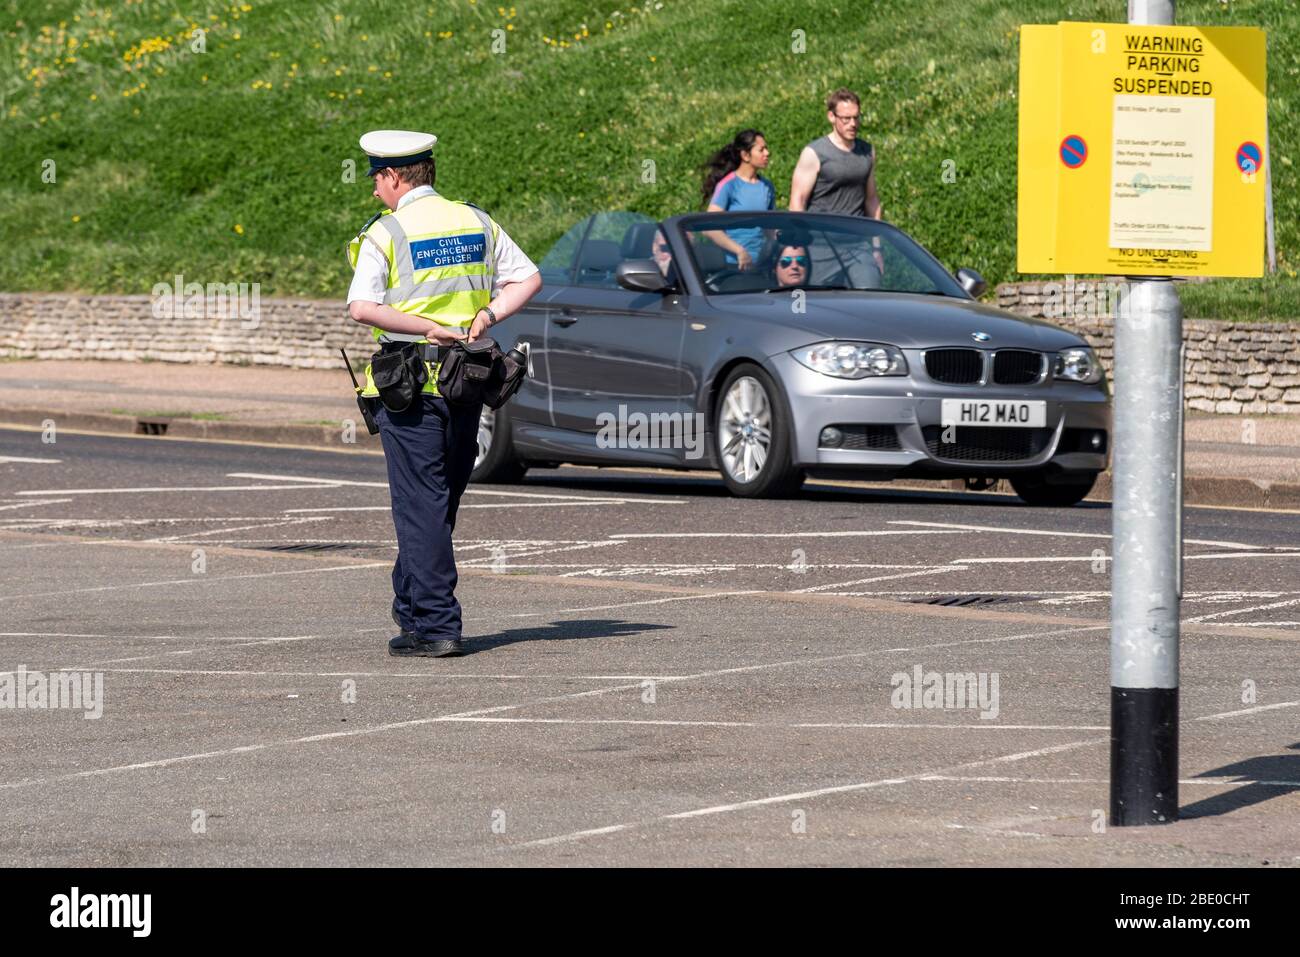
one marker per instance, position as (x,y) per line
(1224,782)
(1260,624)
(438,675)
(831,726)
(47,501)
(1255,554)
(807,534)
(568,504)
(27,461)
(1031,560)
(1263,707)
(200,579)
(1241,611)
(1051,534)
(1107,558)
(422,722)
(55,634)
(933,570)
(170,488)
(811,794)
(629,604)
(237,528)
(268,477)
(469,491)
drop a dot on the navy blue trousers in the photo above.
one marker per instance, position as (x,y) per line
(430,450)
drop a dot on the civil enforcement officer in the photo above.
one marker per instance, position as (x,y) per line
(428,270)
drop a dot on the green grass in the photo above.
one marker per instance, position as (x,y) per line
(227,165)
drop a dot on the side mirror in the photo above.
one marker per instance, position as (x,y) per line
(641,275)
(972,282)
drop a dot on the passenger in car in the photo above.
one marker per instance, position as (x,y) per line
(733,182)
(662,253)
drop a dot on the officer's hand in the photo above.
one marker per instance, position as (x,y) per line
(480,326)
(444,336)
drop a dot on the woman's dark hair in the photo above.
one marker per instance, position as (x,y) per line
(726,160)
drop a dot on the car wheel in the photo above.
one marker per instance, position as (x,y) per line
(496,460)
(753,436)
(1067,490)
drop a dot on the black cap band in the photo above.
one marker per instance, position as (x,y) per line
(384,162)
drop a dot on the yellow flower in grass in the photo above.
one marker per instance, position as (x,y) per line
(239,229)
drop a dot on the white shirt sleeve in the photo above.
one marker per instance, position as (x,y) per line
(370,281)
(511,263)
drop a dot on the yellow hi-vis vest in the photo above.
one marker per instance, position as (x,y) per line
(440,266)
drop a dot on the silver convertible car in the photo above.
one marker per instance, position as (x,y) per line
(773,346)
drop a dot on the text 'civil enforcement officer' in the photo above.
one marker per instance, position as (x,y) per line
(429,270)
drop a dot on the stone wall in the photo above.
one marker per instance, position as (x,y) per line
(1247,368)
(1232,367)
(282,332)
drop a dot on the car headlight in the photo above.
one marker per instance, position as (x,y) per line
(1077,365)
(852,360)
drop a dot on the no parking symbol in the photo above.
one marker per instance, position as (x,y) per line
(1074,151)
(1249,156)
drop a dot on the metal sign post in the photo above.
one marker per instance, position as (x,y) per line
(1146,516)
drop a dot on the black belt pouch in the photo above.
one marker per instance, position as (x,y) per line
(399,375)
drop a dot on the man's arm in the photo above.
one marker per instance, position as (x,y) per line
(392,320)
(512,297)
(872,207)
(805,176)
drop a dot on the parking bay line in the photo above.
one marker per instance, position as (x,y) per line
(1049,533)
(803,795)
(171,488)
(469,491)
(422,722)
(198,579)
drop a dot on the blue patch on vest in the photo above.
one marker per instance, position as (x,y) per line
(448,251)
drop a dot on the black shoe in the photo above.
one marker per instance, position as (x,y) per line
(407,645)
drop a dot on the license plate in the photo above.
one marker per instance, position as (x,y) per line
(1004,412)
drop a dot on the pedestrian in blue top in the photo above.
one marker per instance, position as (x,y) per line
(733,183)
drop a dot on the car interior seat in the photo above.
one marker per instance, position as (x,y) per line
(597,261)
(638,241)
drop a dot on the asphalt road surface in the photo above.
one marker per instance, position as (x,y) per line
(659,673)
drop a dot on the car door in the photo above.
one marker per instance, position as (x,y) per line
(613,354)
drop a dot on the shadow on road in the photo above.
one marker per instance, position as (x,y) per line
(1269,777)
(579,629)
(703,485)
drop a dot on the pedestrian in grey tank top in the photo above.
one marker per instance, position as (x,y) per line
(837,174)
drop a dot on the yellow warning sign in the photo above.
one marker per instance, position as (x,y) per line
(1141,150)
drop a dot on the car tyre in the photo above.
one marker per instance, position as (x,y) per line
(496,461)
(1067,490)
(752,438)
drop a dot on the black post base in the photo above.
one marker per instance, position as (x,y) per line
(1143,756)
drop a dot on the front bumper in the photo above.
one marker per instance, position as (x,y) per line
(912,410)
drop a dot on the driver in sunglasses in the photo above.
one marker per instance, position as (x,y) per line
(791,266)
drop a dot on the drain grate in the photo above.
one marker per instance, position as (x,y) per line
(969,601)
(309,547)
(151,426)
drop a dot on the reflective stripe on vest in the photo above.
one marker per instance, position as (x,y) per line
(437,266)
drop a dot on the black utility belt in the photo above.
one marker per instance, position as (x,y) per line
(428,351)
(470,372)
